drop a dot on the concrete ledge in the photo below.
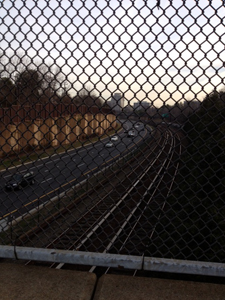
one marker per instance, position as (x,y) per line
(18,281)
(39,283)
(114,287)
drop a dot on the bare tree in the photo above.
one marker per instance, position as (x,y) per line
(55,84)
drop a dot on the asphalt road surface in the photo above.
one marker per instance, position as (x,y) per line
(59,172)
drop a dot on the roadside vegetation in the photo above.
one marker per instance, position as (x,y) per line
(193,224)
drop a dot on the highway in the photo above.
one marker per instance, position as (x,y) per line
(59,172)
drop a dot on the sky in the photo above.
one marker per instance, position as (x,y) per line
(160,55)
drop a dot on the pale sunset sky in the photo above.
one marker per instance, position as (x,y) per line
(147,53)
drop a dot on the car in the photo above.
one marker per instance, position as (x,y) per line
(131,133)
(114,138)
(17,181)
(109,145)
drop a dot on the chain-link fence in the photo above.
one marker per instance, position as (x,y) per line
(112,120)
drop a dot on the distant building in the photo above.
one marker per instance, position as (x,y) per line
(117,102)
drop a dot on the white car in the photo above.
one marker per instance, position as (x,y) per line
(131,133)
(109,145)
(114,138)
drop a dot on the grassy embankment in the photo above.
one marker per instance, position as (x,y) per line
(28,155)
(193,224)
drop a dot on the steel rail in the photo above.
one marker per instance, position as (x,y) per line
(93,230)
(117,235)
(49,245)
(65,210)
(153,193)
(138,166)
(104,218)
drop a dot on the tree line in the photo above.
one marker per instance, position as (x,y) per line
(177,112)
(24,82)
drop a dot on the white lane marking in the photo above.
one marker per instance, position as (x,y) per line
(46,180)
(10,175)
(7,176)
(48,162)
(81,165)
(51,161)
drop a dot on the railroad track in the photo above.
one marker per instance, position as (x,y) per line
(123,218)
(139,229)
(89,200)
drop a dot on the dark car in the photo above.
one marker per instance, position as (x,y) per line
(17,181)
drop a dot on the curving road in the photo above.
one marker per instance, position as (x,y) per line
(59,172)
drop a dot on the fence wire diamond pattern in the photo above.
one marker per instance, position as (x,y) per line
(112,120)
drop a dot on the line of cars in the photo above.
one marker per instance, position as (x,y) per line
(110,144)
(130,133)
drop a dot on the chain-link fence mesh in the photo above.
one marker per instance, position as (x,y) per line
(112,119)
